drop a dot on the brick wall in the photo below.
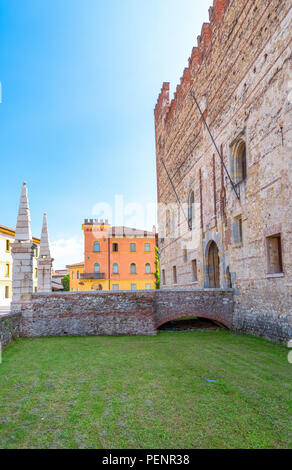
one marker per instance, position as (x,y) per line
(9,328)
(214,304)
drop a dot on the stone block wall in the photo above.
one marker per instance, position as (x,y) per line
(86,314)
(9,328)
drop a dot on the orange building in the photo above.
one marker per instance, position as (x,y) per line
(115,258)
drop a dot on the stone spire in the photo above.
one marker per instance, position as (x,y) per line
(23,230)
(45,262)
(22,254)
(45,244)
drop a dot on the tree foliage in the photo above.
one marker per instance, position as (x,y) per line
(66,282)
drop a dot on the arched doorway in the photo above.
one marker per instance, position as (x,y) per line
(213,266)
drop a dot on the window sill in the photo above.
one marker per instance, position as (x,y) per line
(195,282)
(271,276)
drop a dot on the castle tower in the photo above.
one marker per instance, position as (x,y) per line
(22,253)
(45,262)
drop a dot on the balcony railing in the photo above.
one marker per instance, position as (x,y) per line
(90,276)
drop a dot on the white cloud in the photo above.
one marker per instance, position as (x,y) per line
(67,252)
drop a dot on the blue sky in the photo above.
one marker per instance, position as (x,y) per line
(80,80)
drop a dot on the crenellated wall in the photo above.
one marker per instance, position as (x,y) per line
(241,74)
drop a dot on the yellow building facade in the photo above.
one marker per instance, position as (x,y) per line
(6,263)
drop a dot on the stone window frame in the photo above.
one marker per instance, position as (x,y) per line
(163,277)
(194,271)
(174,275)
(238,170)
(191,204)
(185,255)
(281,273)
(237,223)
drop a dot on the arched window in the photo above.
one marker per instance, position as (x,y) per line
(97,247)
(238,164)
(147,268)
(115,268)
(133,268)
(191,201)
(97,268)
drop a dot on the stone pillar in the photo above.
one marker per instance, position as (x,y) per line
(45,262)
(22,254)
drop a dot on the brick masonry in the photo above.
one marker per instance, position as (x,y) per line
(119,313)
(9,328)
(212,303)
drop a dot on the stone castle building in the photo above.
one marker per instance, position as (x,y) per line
(225,217)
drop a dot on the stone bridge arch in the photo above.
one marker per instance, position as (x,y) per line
(212,304)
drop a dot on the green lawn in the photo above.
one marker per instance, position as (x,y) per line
(146,392)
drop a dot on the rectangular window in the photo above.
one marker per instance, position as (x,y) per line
(35,289)
(72,275)
(194,270)
(274,251)
(133,287)
(7,270)
(115,287)
(147,247)
(237,234)
(115,247)
(148,286)
(7,245)
(6,292)
(174,275)
(163,277)
(96,247)
(36,272)
(36,252)
(185,255)
(133,247)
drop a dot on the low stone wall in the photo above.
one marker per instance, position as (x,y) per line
(89,313)
(206,303)
(138,313)
(9,328)
(268,315)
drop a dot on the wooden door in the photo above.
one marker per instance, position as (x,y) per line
(214,266)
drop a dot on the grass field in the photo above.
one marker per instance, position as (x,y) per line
(146,392)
